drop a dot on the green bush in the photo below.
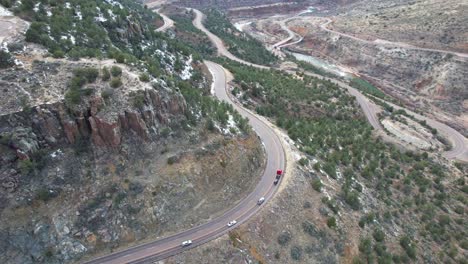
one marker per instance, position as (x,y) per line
(331,222)
(43,195)
(58,53)
(317,185)
(378,235)
(26,166)
(73,96)
(116,71)
(173,159)
(296,253)
(139,100)
(408,246)
(284,238)
(144,77)
(116,82)
(5,60)
(6,3)
(90,74)
(303,161)
(105,74)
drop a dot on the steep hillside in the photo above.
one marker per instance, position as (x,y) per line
(108,134)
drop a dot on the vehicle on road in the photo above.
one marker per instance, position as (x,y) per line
(233,222)
(279,173)
(261,200)
(276,181)
(186,243)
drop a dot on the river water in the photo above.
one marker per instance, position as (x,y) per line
(321,64)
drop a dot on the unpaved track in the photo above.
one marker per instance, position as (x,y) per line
(168,23)
(381,42)
(222,50)
(459,143)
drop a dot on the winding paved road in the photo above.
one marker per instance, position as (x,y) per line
(171,245)
(459,143)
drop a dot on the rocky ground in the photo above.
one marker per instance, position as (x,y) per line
(424,23)
(119,166)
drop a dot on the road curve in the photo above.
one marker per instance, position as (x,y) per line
(324,26)
(459,143)
(171,245)
(168,23)
(222,50)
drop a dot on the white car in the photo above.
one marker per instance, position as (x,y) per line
(186,243)
(261,200)
(233,222)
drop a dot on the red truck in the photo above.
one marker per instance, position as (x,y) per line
(278,176)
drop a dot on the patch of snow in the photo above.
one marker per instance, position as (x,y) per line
(78,14)
(67,5)
(240,25)
(111,14)
(114,3)
(5,12)
(49,13)
(187,71)
(56,153)
(36,7)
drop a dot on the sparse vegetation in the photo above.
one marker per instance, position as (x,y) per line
(240,44)
(116,71)
(6,59)
(144,77)
(116,82)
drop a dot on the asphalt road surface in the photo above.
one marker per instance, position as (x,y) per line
(163,248)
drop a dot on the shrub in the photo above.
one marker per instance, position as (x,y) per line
(26,166)
(296,253)
(408,246)
(284,238)
(317,185)
(116,82)
(116,71)
(378,235)
(139,100)
(210,125)
(365,246)
(331,222)
(105,74)
(6,3)
(58,53)
(89,74)
(303,161)
(73,96)
(5,59)
(144,77)
(309,228)
(171,160)
(43,195)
